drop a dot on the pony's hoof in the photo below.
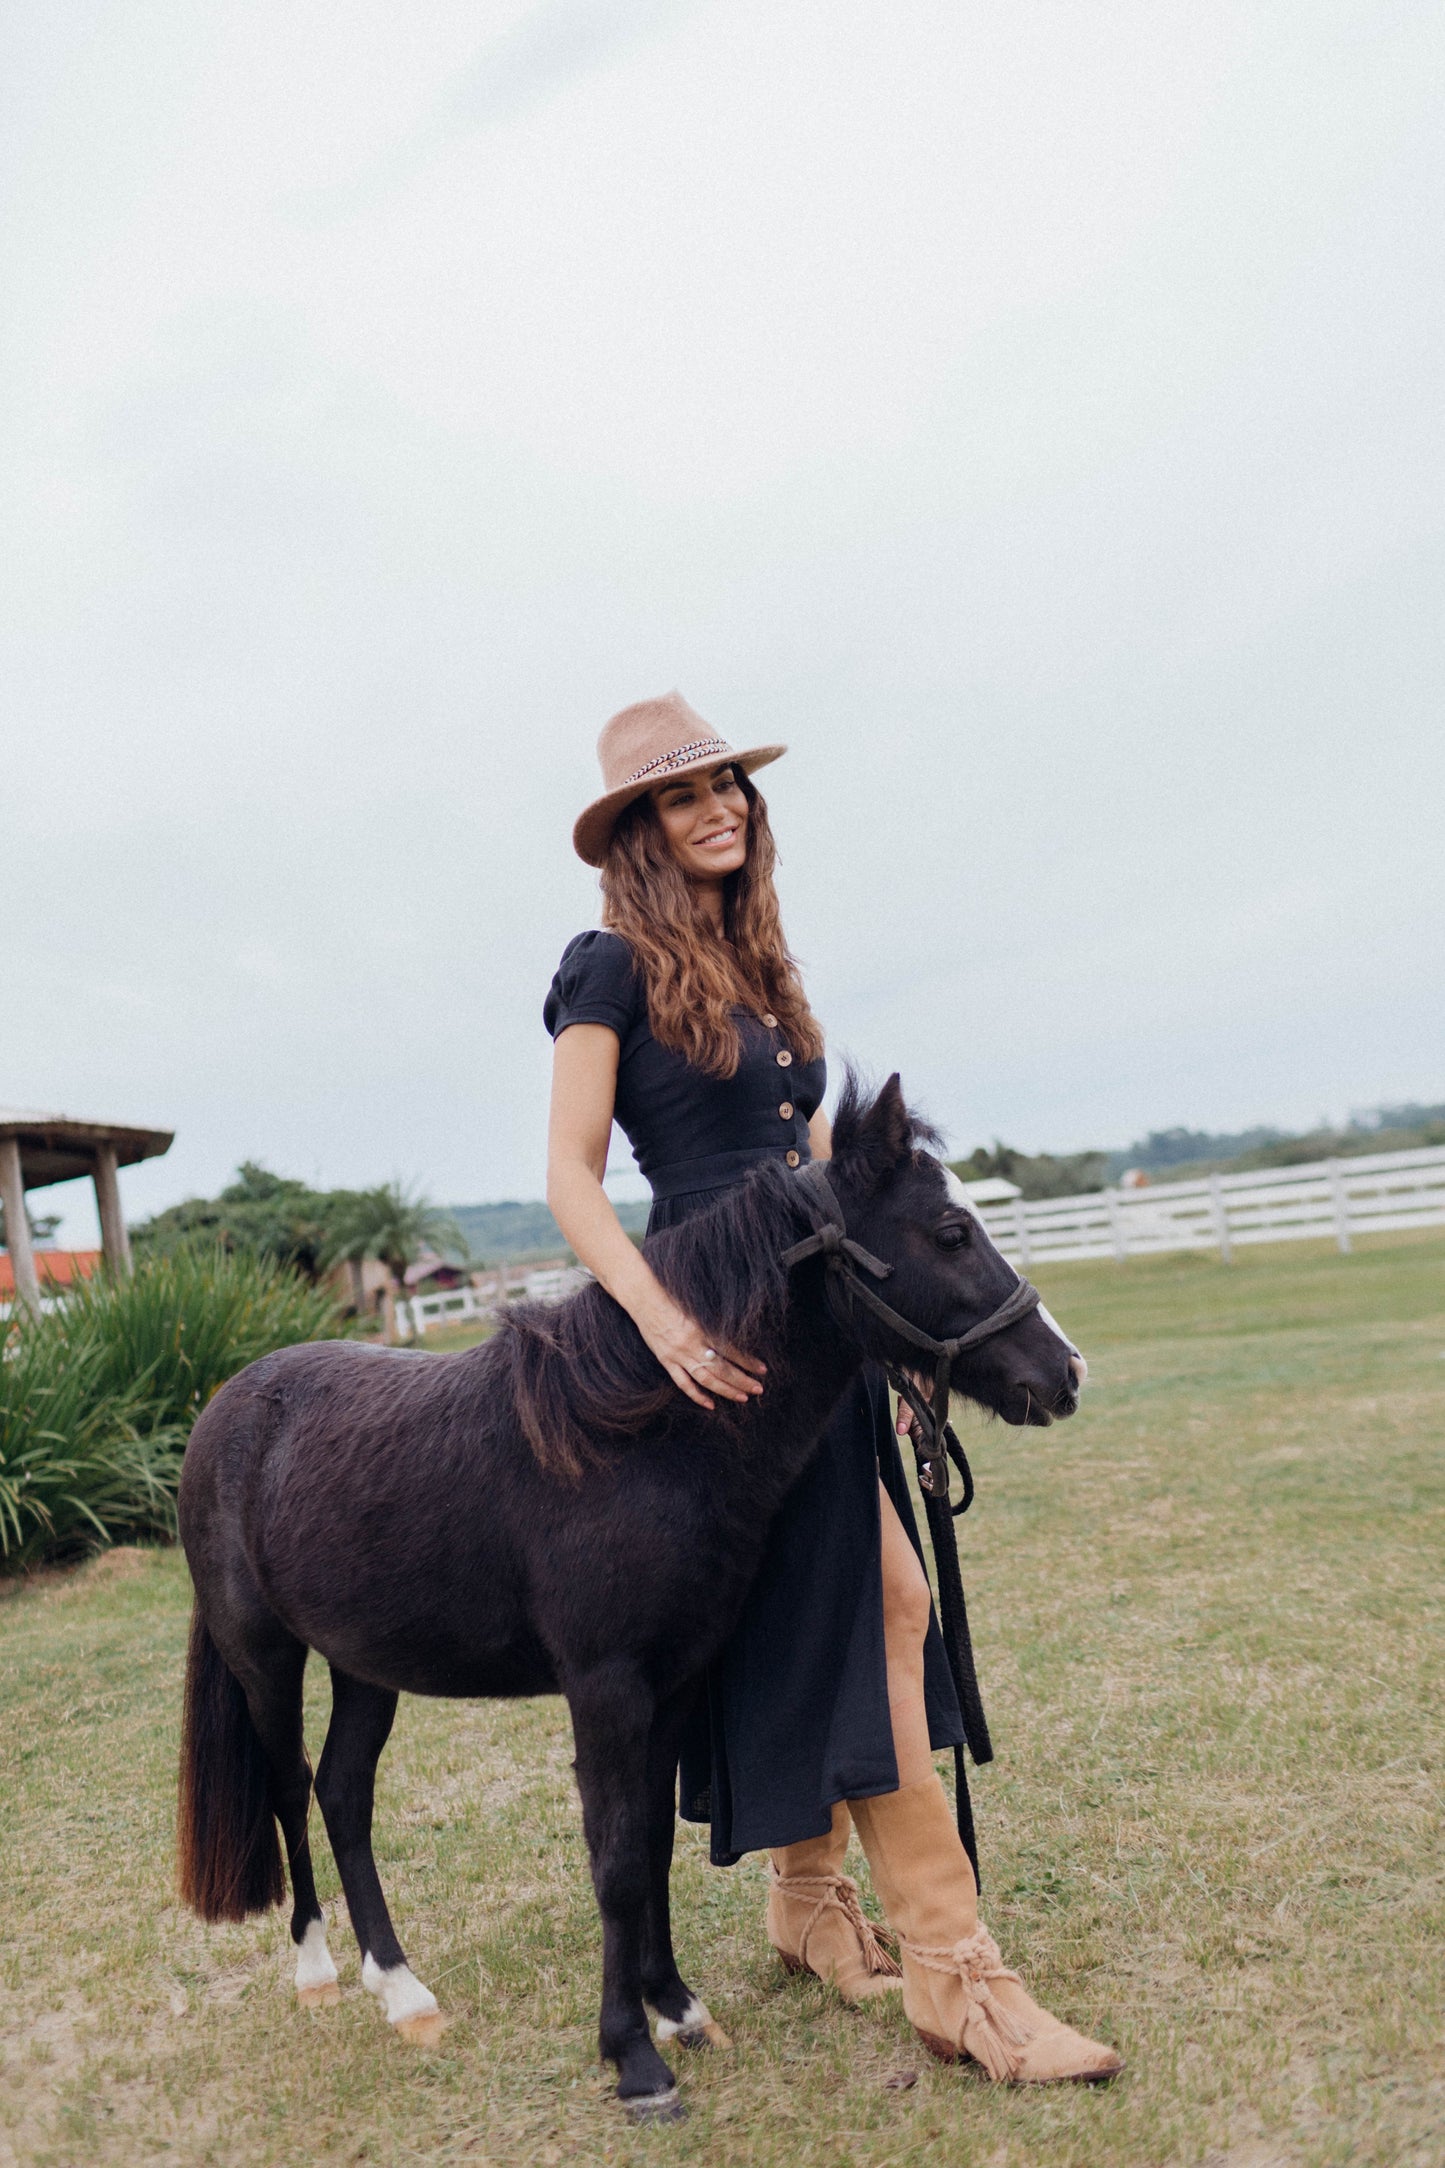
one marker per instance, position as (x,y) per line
(656,2107)
(422,2031)
(324,1995)
(710,2035)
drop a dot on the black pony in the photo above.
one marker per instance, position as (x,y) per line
(544,1513)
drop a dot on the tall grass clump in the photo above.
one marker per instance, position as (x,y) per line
(97,1397)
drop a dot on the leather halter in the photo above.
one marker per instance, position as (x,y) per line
(847,1261)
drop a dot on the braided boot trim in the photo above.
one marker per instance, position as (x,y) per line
(827,1892)
(991,2034)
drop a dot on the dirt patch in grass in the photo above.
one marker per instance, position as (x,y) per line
(1211,1629)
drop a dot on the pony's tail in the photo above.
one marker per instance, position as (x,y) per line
(228,1854)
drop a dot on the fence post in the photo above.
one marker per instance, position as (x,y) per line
(1221,1220)
(1342,1207)
(1021,1234)
(1116,1223)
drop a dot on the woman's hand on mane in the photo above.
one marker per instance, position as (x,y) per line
(697,1366)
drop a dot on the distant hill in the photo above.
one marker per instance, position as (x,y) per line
(1179,1155)
(1164,1149)
(511,1233)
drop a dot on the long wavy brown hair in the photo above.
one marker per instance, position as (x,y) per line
(695,981)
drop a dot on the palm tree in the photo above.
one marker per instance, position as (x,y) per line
(391,1223)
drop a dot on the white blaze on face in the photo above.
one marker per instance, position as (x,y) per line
(314,1967)
(958,1193)
(1080,1367)
(398,1990)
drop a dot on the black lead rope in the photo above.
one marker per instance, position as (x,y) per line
(934,1445)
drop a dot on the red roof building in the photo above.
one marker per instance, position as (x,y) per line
(53,1268)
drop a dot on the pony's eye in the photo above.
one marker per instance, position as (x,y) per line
(952,1237)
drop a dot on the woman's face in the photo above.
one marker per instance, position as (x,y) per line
(705,820)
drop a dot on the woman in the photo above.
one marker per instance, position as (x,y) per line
(684,1019)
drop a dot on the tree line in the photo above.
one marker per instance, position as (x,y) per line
(1179,1155)
(309,1231)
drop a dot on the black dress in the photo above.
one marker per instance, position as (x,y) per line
(796,1711)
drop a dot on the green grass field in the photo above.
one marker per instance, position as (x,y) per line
(1209,1624)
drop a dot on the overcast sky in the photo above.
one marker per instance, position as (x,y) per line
(1030,412)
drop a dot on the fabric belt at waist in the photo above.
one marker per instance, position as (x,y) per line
(718,1169)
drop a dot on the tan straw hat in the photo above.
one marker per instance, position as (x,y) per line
(655,739)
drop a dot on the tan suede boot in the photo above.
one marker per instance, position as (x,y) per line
(816,1923)
(957,1993)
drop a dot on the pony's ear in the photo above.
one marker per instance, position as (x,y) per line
(884,1134)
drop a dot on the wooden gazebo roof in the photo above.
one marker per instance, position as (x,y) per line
(56,1148)
(38,1149)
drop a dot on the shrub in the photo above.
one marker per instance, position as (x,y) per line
(98,1396)
(79,1465)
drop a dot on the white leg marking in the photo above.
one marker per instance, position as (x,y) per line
(315,1972)
(694,2017)
(409,2006)
(696,2028)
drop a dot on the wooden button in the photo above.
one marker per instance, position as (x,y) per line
(785,1059)
(791,1158)
(769,1021)
(786,1110)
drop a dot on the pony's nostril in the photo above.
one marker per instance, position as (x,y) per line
(1080,1369)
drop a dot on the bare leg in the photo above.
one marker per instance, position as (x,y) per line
(905,1626)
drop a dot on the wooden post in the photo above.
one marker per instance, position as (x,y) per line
(17,1226)
(1021,1234)
(1341,1204)
(1116,1223)
(1221,1220)
(114,1240)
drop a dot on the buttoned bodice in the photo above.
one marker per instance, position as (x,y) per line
(689,1131)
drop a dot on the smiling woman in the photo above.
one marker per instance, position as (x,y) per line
(687,883)
(684,1019)
(705,822)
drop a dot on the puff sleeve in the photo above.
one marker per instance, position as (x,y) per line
(595,983)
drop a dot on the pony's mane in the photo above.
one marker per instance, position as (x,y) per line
(585,1380)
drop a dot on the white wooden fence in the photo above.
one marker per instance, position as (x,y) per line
(1377,1194)
(458,1305)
